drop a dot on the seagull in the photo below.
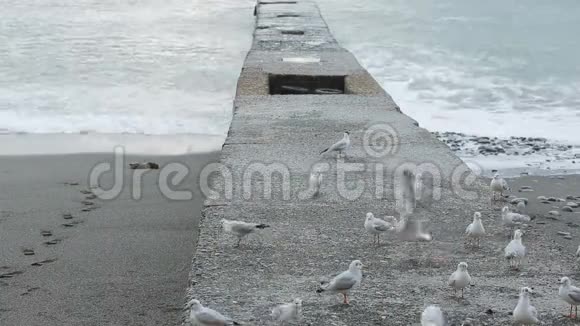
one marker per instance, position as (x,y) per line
(340,146)
(203,316)
(475,231)
(432,316)
(525,313)
(570,294)
(289,312)
(498,184)
(511,219)
(460,278)
(314,182)
(376,226)
(345,281)
(241,229)
(515,250)
(407,227)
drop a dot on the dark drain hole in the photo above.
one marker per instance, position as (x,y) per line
(298,84)
(278,2)
(287,15)
(293,32)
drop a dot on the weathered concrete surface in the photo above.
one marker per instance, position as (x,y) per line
(311,239)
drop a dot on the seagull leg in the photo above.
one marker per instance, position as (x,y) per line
(345,301)
(238,244)
(575,312)
(462,293)
(570,315)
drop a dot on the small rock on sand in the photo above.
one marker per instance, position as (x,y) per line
(572,204)
(542,198)
(567,209)
(554,213)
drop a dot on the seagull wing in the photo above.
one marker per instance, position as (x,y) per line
(210,317)
(344,281)
(574,294)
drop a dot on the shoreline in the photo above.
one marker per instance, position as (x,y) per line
(133,144)
(67,258)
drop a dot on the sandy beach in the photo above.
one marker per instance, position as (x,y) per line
(67,258)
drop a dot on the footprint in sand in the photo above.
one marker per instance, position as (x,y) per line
(28,252)
(46,233)
(52,242)
(43,262)
(10,274)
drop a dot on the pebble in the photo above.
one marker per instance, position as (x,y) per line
(552,199)
(542,198)
(546,202)
(567,209)
(554,213)
(563,233)
(526,190)
(570,197)
(569,237)
(573,205)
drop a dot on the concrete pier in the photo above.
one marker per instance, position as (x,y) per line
(274,142)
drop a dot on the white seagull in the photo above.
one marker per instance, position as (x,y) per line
(475,231)
(289,312)
(498,184)
(408,227)
(511,219)
(376,226)
(202,316)
(241,229)
(521,207)
(345,281)
(525,313)
(314,182)
(515,251)
(432,316)
(340,146)
(570,294)
(460,279)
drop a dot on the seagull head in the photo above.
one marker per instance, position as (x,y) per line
(298,302)
(193,304)
(565,281)
(356,265)
(505,210)
(477,216)
(462,266)
(518,234)
(525,291)
(495,176)
(370,216)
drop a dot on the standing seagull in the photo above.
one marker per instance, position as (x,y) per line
(432,316)
(287,313)
(475,231)
(345,281)
(498,184)
(408,227)
(460,278)
(570,294)
(376,226)
(241,229)
(340,146)
(515,251)
(525,313)
(202,316)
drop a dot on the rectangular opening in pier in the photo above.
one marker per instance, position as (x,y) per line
(278,2)
(292,32)
(303,85)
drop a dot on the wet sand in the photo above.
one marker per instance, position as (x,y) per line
(118,262)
